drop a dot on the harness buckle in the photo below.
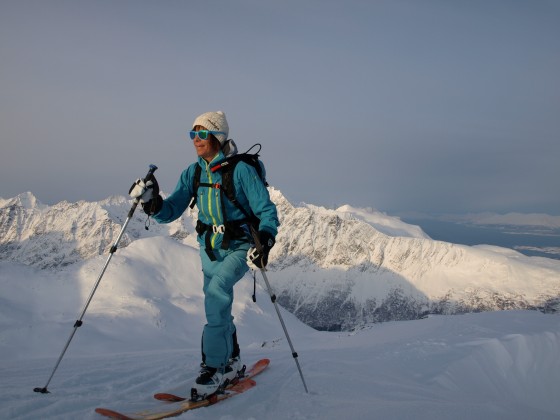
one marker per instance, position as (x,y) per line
(219,229)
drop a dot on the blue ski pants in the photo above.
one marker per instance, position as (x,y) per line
(219,278)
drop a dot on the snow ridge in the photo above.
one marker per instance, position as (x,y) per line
(337,272)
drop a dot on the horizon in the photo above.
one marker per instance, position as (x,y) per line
(411,215)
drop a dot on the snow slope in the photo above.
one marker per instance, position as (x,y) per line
(141,334)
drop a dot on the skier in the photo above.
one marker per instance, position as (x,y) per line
(225,248)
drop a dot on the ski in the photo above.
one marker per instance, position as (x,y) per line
(254,370)
(174,408)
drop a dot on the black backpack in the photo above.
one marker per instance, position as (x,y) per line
(236,228)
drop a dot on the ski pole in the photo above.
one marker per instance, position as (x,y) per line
(79,322)
(258,246)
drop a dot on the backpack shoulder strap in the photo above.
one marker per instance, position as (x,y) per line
(196,184)
(227,168)
(228,187)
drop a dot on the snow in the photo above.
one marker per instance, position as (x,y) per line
(388,225)
(141,335)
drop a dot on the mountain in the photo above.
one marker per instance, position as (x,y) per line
(334,269)
(55,236)
(337,270)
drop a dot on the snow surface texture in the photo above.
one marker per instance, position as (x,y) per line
(499,365)
(141,333)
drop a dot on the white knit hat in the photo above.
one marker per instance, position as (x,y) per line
(214,121)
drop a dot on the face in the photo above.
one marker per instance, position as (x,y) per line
(206,149)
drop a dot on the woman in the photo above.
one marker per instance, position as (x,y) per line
(222,268)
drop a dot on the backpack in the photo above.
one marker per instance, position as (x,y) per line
(236,228)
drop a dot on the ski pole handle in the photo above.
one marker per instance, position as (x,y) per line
(153,168)
(151,171)
(256,239)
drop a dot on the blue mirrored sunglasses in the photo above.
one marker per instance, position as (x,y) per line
(203,134)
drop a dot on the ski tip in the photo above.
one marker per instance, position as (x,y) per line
(111,414)
(163,396)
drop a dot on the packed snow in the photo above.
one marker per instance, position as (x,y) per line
(141,335)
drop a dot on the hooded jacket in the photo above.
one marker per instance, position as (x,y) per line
(251,193)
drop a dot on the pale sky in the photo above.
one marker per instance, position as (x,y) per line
(431,106)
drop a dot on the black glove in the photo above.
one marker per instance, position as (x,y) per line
(148,193)
(256,259)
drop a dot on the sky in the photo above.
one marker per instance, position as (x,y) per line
(403,106)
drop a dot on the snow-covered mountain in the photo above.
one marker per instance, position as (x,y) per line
(53,236)
(334,269)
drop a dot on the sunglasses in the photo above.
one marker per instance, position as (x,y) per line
(203,134)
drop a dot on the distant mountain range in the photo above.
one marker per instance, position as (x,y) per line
(334,269)
(487,218)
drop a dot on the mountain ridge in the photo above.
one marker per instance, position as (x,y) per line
(334,269)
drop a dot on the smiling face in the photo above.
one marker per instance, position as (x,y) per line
(206,149)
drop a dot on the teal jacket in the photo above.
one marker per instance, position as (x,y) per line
(251,193)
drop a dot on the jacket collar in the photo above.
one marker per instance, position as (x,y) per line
(217,159)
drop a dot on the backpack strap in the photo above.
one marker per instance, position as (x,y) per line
(228,167)
(228,188)
(196,184)
(229,230)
